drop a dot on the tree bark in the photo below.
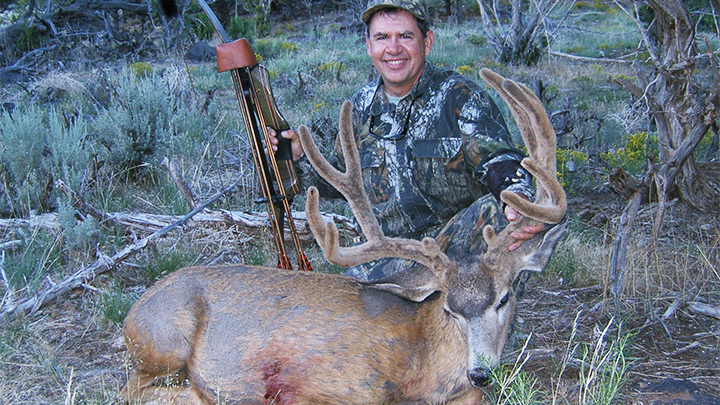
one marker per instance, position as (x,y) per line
(682,107)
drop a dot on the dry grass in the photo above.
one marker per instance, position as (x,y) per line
(667,339)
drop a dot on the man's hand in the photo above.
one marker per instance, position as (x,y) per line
(520,236)
(295,145)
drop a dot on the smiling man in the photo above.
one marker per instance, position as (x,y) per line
(434,148)
(397,47)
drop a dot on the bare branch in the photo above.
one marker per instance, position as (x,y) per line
(641,30)
(180,182)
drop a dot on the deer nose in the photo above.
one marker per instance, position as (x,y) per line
(480,377)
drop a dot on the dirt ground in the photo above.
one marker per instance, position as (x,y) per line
(674,351)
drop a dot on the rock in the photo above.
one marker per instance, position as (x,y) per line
(200,52)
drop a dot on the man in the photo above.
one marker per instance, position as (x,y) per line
(434,148)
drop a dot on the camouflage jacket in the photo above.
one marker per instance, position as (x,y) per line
(435,152)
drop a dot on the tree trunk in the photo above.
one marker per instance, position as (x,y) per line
(699,185)
(683,108)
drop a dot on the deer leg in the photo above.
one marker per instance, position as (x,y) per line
(141,388)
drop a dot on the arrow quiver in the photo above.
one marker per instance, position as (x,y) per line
(278,179)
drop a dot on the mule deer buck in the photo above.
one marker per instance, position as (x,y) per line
(252,335)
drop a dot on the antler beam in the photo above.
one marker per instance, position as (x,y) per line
(550,204)
(378,246)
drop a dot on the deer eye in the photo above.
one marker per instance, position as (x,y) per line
(504,300)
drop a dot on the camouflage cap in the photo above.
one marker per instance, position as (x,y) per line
(414,7)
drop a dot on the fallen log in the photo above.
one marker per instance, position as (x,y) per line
(163,225)
(155,226)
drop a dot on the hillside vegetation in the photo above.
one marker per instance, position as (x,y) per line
(86,142)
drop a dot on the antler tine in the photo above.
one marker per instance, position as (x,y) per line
(346,183)
(540,140)
(378,246)
(504,88)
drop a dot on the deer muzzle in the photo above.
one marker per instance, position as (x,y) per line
(479,377)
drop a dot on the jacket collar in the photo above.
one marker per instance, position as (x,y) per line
(379,102)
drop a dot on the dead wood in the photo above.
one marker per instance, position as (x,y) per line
(26,62)
(180,182)
(627,186)
(10,245)
(627,225)
(704,309)
(683,113)
(681,106)
(102,265)
(247,222)
(82,276)
(157,226)
(594,60)
(251,223)
(76,10)
(47,221)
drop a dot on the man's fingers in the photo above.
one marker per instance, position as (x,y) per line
(521,236)
(534,229)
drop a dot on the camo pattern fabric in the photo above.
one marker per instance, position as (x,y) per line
(431,155)
(414,7)
(461,235)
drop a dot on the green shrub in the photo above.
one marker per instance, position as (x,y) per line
(77,234)
(572,261)
(570,165)
(40,256)
(164,264)
(28,39)
(477,39)
(200,25)
(513,385)
(331,70)
(148,118)
(257,254)
(595,5)
(603,367)
(633,154)
(115,306)
(240,27)
(268,48)
(37,148)
(141,69)
(705,150)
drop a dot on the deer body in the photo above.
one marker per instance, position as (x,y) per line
(251,335)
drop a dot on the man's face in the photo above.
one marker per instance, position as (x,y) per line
(397,49)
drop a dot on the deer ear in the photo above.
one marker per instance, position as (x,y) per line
(415,283)
(539,258)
